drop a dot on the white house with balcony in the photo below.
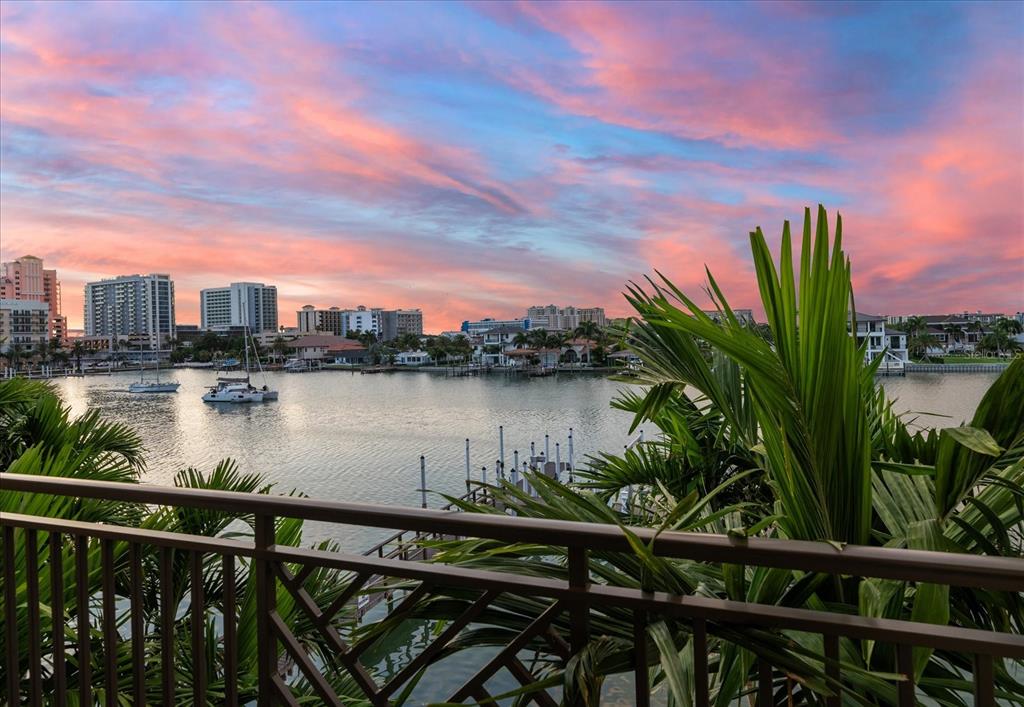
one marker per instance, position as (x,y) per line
(889,344)
(493,345)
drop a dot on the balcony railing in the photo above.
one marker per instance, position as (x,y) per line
(567,609)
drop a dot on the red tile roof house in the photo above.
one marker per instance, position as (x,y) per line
(329,349)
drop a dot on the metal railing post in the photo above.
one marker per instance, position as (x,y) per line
(266,603)
(579,613)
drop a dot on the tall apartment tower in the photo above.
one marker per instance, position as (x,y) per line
(250,304)
(321,321)
(564,318)
(131,307)
(26,279)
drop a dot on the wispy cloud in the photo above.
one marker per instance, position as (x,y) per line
(475,159)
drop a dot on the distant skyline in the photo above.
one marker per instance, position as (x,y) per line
(475,159)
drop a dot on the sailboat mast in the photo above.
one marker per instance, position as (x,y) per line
(245,336)
(157,284)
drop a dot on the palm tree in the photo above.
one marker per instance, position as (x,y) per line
(996,342)
(38,436)
(918,344)
(521,340)
(537,338)
(953,334)
(1008,326)
(42,352)
(592,333)
(788,437)
(279,347)
(78,350)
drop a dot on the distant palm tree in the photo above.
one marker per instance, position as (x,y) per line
(916,325)
(537,337)
(78,350)
(1008,326)
(521,340)
(279,347)
(592,333)
(42,352)
(954,332)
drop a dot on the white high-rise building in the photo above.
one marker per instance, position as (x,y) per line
(131,306)
(362,319)
(250,304)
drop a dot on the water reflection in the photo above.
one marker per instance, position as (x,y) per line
(358,438)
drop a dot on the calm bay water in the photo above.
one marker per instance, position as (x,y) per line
(338,436)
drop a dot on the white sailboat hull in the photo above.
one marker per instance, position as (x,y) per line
(238,396)
(169,387)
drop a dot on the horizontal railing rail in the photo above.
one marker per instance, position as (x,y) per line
(766,615)
(566,607)
(885,563)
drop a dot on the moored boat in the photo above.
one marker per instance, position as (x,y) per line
(154,387)
(233,391)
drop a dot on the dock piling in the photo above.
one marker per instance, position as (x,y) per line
(423,481)
(558,462)
(501,444)
(547,448)
(467,461)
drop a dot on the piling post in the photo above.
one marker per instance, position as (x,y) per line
(423,481)
(483,474)
(515,460)
(533,452)
(570,449)
(547,448)
(641,436)
(467,463)
(501,444)
(558,462)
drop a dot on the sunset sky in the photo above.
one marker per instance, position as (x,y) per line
(474,159)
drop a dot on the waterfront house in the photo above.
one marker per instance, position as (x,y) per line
(524,358)
(577,350)
(890,345)
(320,347)
(412,358)
(494,344)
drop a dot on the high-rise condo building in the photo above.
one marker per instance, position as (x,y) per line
(362,319)
(24,324)
(250,304)
(555,318)
(396,322)
(387,324)
(131,306)
(325,321)
(26,279)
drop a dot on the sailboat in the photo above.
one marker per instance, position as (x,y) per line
(153,386)
(232,389)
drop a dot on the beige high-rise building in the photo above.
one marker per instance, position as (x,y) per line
(26,279)
(555,318)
